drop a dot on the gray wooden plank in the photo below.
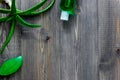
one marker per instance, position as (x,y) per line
(35,49)
(32,48)
(87,44)
(107,39)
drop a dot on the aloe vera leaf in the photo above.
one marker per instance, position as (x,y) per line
(18,11)
(6,19)
(24,23)
(35,7)
(3,19)
(10,66)
(13,7)
(4,10)
(38,12)
(10,18)
(8,38)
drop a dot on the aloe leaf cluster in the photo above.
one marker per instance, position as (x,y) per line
(15,16)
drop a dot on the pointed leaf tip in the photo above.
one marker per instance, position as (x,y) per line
(10,66)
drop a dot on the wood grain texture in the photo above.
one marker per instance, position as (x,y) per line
(87,47)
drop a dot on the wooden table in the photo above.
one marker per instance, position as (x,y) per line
(84,48)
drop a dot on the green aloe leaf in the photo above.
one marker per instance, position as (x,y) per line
(3,19)
(9,19)
(4,10)
(8,38)
(35,7)
(38,12)
(18,11)
(24,23)
(10,66)
(13,8)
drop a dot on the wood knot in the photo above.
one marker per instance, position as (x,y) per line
(47,38)
(118,51)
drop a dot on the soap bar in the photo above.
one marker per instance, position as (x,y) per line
(64,15)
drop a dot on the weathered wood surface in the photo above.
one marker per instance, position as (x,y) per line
(84,48)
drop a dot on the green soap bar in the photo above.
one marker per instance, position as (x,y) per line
(10,66)
(68,5)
